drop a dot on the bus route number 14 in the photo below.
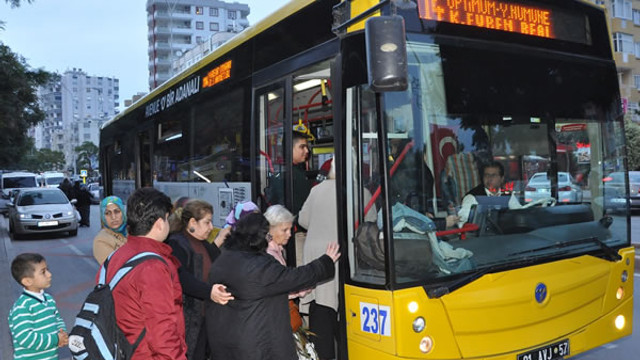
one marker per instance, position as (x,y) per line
(374,319)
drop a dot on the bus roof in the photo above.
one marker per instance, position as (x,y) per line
(270,20)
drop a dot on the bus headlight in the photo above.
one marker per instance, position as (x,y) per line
(426,344)
(620,322)
(413,307)
(419,324)
(620,293)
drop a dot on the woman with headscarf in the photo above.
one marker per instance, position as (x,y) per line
(114,228)
(241,209)
(256,326)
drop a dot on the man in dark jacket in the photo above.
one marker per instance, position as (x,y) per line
(492,185)
(150,296)
(83,203)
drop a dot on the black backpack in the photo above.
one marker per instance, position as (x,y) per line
(96,335)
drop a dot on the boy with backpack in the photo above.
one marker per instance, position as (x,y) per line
(36,326)
(147,301)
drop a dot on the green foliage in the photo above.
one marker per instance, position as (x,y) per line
(16,3)
(19,108)
(632,131)
(40,160)
(86,152)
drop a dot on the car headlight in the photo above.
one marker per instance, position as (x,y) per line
(69,213)
(22,215)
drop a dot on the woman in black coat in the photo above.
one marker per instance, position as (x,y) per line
(256,325)
(190,228)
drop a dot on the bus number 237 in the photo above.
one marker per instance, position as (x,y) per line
(374,319)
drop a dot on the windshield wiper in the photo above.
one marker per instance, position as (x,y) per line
(610,253)
(441,290)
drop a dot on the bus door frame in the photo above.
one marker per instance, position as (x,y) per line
(258,129)
(140,158)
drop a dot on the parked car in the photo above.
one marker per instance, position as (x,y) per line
(96,192)
(539,187)
(41,210)
(17,180)
(614,189)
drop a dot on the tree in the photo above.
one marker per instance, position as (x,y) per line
(632,131)
(16,3)
(50,159)
(19,108)
(86,153)
(40,160)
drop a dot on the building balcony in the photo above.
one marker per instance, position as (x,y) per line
(163,46)
(625,61)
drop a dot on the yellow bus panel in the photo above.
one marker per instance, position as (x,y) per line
(497,316)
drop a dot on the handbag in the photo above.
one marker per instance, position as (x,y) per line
(294,314)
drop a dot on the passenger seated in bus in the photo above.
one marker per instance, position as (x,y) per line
(492,185)
(406,188)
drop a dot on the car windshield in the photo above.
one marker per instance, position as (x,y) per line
(19,182)
(42,198)
(543,178)
(54,180)
(461,142)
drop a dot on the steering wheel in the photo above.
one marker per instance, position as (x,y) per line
(544,202)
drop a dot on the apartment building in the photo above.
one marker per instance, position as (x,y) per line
(624,23)
(177,26)
(75,105)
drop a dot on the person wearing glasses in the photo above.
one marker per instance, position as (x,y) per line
(492,185)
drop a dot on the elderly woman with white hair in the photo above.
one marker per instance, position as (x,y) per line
(280,224)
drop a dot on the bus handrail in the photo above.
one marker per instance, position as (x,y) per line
(395,165)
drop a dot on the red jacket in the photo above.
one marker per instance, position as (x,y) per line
(150,297)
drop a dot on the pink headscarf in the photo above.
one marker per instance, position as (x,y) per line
(241,209)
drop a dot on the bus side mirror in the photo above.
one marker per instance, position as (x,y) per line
(386,53)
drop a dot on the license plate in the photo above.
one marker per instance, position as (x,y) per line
(550,352)
(47,223)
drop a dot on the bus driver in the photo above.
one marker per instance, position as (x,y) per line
(492,185)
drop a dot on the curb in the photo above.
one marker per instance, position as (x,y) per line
(6,297)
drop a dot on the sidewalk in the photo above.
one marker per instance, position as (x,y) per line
(9,293)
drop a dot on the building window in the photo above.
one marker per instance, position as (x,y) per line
(637,50)
(623,43)
(199,25)
(214,26)
(199,10)
(198,39)
(213,12)
(622,9)
(636,17)
(636,81)
(231,14)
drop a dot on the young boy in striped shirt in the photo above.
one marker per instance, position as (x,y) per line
(35,323)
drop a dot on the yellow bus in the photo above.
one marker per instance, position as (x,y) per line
(415,100)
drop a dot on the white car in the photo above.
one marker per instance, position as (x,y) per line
(539,187)
(96,192)
(41,210)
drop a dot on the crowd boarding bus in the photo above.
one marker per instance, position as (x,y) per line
(412,99)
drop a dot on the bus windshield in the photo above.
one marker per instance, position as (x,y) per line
(510,146)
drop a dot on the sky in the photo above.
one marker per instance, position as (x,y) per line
(101,37)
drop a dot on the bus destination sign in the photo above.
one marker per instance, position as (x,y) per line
(217,74)
(491,14)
